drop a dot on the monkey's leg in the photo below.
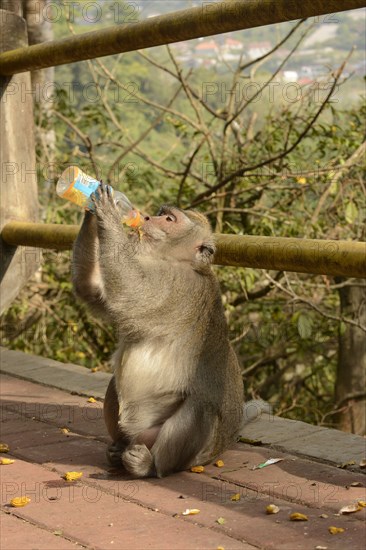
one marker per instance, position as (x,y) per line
(111,413)
(180,439)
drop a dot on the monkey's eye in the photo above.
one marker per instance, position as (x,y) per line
(170,218)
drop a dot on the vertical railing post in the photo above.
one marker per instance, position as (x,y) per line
(18,178)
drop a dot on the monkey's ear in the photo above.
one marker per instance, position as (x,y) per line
(205,252)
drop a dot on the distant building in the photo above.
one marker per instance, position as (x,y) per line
(313,71)
(290,76)
(207,48)
(231,50)
(208,52)
(183,47)
(232,44)
(257,49)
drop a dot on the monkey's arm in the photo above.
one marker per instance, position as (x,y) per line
(86,273)
(122,274)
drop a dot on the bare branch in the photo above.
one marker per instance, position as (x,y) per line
(302,135)
(297,298)
(84,137)
(191,158)
(349,163)
(260,293)
(275,48)
(142,136)
(273,75)
(203,127)
(189,87)
(148,101)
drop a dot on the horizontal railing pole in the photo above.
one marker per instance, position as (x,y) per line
(206,20)
(342,258)
(53,236)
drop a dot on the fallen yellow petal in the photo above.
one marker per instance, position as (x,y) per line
(235,497)
(219,463)
(301,180)
(362,503)
(4,448)
(72,476)
(335,530)
(92,400)
(350,508)
(345,464)
(296,516)
(272,509)
(17,502)
(6,461)
(197,469)
(65,430)
(191,512)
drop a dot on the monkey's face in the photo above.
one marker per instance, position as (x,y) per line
(169,223)
(179,235)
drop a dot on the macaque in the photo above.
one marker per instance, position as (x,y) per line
(176,397)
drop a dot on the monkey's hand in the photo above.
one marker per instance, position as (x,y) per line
(106,211)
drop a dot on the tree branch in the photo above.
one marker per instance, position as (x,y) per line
(242,171)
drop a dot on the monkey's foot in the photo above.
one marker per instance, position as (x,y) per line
(138,460)
(114,454)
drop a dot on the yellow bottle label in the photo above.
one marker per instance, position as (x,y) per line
(76,196)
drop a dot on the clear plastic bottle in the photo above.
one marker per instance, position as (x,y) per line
(76,186)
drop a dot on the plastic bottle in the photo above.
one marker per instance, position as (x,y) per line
(76,186)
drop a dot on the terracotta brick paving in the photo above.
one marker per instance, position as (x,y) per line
(107,509)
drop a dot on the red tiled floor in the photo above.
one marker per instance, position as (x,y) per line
(112,511)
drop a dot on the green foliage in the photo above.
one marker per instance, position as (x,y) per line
(46,320)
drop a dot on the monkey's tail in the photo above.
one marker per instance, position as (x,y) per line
(254,410)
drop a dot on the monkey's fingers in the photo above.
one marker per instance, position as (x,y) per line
(106,191)
(102,196)
(99,193)
(106,212)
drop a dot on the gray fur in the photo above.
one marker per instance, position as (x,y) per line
(176,398)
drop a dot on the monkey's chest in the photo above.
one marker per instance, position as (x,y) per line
(148,371)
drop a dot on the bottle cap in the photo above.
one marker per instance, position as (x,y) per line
(134,218)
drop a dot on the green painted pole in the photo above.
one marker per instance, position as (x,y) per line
(40,235)
(347,258)
(343,258)
(206,20)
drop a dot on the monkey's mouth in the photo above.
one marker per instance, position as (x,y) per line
(150,232)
